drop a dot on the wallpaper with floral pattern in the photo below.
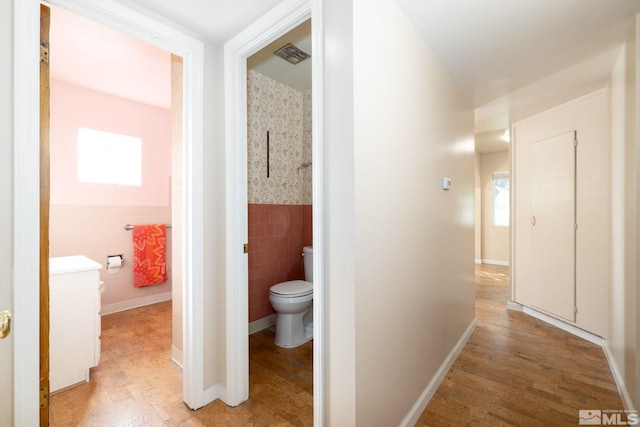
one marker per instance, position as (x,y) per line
(286,114)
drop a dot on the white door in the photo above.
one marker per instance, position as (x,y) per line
(6,209)
(548,279)
(6,344)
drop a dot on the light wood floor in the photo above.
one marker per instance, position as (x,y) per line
(515,370)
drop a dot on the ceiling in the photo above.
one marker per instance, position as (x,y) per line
(91,55)
(511,59)
(297,76)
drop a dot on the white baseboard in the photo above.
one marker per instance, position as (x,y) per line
(622,388)
(176,355)
(216,391)
(135,303)
(261,324)
(512,305)
(478,261)
(593,338)
(495,262)
(416,410)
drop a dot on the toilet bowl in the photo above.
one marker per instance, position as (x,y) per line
(292,302)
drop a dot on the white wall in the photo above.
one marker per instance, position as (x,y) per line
(6,207)
(622,336)
(589,116)
(495,239)
(413,241)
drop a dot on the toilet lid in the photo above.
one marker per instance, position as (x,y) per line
(293,288)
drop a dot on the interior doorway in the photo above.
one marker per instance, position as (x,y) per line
(267,29)
(26,185)
(125,98)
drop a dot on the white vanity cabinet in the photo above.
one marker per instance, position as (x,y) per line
(74,320)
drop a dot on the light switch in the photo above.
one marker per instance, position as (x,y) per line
(446,183)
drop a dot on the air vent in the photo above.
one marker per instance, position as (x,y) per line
(292,53)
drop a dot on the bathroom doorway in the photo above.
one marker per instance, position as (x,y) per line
(268,28)
(189,210)
(279,166)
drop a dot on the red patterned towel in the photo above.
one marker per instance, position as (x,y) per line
(149,255)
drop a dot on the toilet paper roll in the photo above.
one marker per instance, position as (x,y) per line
(114,261)
(113,264)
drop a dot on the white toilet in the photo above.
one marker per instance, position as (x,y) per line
(292,302)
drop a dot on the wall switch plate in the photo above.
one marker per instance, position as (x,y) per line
(446,183)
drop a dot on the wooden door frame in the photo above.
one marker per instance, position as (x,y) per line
(26,190)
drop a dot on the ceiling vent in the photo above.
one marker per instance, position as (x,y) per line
(292,54)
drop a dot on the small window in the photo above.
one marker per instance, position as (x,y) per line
(501,199)
(109,158)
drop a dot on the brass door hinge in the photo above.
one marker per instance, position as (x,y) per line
(44,53)
(44,397)
(246,248)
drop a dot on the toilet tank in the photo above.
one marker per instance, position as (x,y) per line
(307,253)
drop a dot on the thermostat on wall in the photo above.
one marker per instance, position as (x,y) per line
(446,183)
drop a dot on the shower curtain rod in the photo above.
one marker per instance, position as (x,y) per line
(130,226)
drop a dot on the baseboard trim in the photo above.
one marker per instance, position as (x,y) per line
(261,324)
(176,356)
(216,391)
(135,303)
(416,410)
(621,386)
(478,261)
(512,305)
(495,262)
(591,337)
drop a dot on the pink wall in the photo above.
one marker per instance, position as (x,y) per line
(88,219)
(73,107)
(277,234)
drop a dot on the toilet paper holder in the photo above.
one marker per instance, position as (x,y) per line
(115,261)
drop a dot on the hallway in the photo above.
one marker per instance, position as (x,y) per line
(518,370)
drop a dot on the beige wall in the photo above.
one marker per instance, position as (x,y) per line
(589,116)
(413,241)
(495,239)
(622,336)
(6,207)
(477,168)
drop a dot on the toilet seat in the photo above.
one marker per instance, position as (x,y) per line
(292,289)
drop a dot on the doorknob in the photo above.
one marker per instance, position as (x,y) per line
(5,324)
(533,220)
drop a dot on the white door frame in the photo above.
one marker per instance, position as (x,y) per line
(281,19)
(26,189)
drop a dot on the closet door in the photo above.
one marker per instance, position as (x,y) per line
(550,282)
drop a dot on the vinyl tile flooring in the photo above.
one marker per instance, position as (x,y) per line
(515,370)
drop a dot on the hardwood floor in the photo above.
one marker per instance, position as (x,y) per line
(137,384)
(517,370)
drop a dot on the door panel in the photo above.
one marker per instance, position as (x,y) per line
(549,284)
(6,215)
